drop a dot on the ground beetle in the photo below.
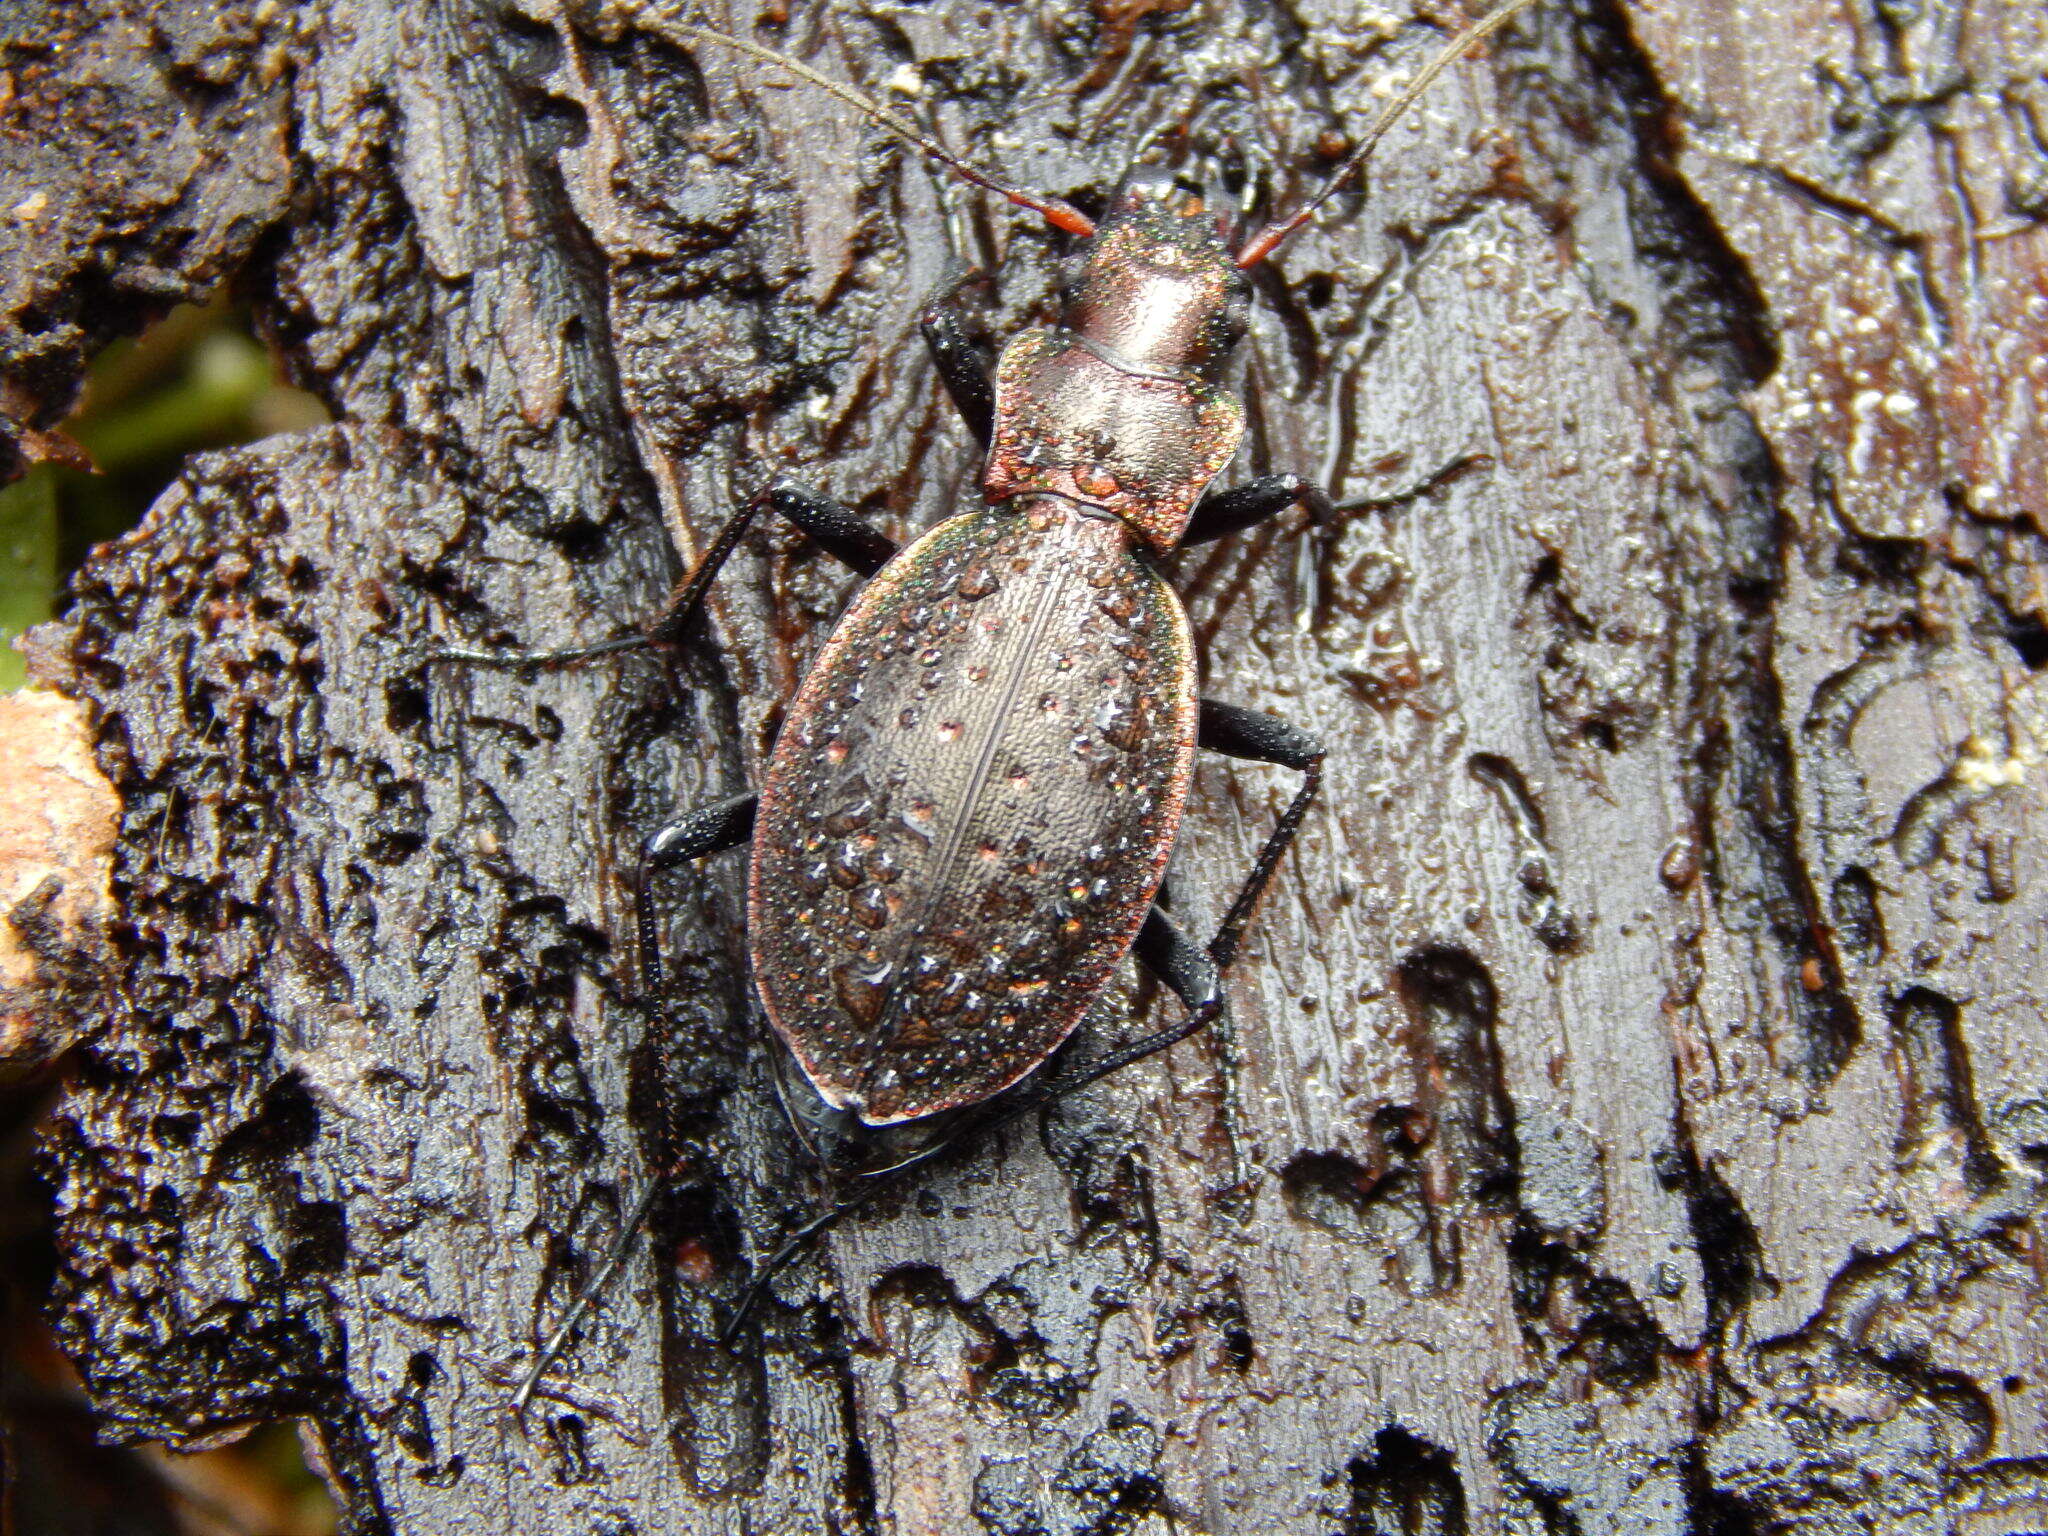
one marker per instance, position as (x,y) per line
(968,813)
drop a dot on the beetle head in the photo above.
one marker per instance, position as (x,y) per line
(1158,286)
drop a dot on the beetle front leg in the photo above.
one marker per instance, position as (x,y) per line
(1244,506)
(962,365)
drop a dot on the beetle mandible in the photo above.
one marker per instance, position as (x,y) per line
(968,813)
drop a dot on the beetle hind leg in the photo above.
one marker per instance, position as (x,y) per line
(1192,972)
(1183,965)
(714,828)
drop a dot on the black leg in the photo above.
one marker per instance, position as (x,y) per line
(1222,512)
(1256,736)
(1165,950)
(707,830)
(608,1271)
(1263,738)
(961,364)
(839,531)
(1194,974)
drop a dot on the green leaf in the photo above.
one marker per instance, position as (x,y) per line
(28,563)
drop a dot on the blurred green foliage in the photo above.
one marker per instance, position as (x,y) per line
(28,562)
(196,379)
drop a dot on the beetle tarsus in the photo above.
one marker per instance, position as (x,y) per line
(614,1261)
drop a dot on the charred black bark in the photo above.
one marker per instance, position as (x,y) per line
(1637,1109)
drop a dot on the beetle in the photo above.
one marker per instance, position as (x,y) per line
(965,821)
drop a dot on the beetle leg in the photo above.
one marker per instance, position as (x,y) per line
(1189,971)
(841,532)
(1193,973)
(837,529)
(1263,738)
(1236,732)
(1196,975)
(1231,511)
(707,830)
(1165,950)
(962,365)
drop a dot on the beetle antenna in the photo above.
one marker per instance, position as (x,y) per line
(1056,213)
(1261,245)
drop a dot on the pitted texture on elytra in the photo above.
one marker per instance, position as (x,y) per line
(1141,445)
(970,809)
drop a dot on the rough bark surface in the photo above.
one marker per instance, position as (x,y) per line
(1637,1113)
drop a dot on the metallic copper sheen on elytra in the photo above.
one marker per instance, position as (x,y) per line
(968,814)
(972,929)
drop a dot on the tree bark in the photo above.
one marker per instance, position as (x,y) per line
(1637,1109)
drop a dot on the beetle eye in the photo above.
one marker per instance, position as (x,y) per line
(1073,273)
(1234,319)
